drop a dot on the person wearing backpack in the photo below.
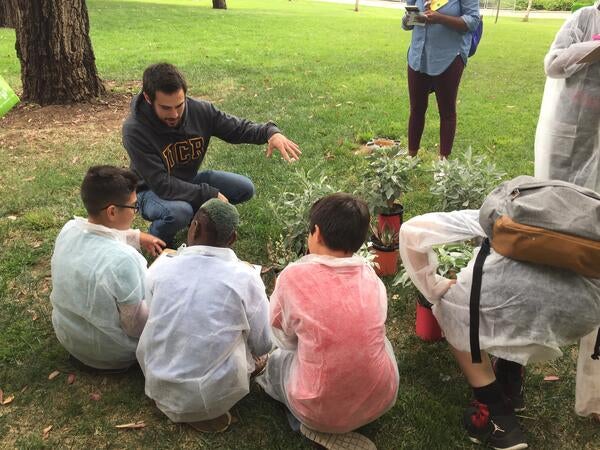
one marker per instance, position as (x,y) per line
(504,303)
(567,146)
(440,45)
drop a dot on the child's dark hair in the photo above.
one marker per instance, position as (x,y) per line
(106,185)
(162,77)
(343,220)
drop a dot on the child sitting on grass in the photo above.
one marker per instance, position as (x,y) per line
(208,318)
(334,369)
(527,312)
(98,308)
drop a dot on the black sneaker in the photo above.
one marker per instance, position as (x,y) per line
(512,386)
(501,432)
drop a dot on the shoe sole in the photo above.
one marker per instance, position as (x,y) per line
(514,447)
(344,441)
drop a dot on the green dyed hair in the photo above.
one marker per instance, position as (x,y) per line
(224,216)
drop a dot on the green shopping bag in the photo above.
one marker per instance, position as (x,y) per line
(8,98)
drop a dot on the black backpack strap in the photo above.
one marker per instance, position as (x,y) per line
(596,354)
(484,251)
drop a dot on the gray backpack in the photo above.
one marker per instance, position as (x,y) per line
(552,223)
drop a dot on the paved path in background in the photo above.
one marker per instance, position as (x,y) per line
(485,12)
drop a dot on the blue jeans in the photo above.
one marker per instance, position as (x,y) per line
(170,216)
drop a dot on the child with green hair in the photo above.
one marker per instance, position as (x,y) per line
(208,322)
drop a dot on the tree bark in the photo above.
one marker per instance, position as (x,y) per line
(6,17)
(55,51)
(526,16)
(219,4)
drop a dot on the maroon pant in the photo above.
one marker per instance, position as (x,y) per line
(445,86)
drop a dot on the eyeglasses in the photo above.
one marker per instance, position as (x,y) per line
(135,206)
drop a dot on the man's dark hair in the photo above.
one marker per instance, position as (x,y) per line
(106,185)
(162,77)
(343,220)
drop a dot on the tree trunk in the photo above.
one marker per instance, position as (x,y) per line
(219,4)
(356,6)
(55,51)
(6,17)
(526,17)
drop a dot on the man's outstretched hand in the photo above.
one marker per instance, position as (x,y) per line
(152,244)
(289,149)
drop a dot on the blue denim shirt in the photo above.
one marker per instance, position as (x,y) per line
(434,46)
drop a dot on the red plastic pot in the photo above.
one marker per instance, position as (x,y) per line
(426,325)
(386,258)
(391,220)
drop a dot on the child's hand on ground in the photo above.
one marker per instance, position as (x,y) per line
(151,244)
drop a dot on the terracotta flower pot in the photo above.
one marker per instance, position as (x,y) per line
(391,220)
(386,258)
(426,325)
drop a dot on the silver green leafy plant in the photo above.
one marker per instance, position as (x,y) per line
(388,176)
(452,258)
(463,182)
(291,212)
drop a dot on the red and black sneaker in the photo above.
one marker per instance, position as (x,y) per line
(501,432)
(512,385)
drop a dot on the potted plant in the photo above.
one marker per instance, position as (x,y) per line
(451,259)
(290,211)
(463,182)
(384,245)
(387,177)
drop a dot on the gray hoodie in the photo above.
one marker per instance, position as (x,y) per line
(167,159)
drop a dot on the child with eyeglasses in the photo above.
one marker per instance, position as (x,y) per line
(98,275)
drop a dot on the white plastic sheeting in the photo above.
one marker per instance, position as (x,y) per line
(208,314)
(587,396)
(97,293)
(567,142)
(527,311)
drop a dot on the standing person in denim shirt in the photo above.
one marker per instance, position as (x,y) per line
(436,58)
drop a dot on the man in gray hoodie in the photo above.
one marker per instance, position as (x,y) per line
(166,137)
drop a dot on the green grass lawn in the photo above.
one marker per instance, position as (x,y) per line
(330,78)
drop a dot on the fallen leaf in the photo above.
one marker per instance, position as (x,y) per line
(132,425)
(46,432)
(551,378)
(8,400)
(53,375)
(74,160)
(71,378)
(395,297)
(12,217)
(95,396)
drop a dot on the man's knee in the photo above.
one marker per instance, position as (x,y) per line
(246,191)
(178,214)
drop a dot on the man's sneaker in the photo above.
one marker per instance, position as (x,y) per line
(512,386)
(501,432)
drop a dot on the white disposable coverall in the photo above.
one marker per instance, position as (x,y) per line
(208,314)
(97,293)
(527,311)
(567,141)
